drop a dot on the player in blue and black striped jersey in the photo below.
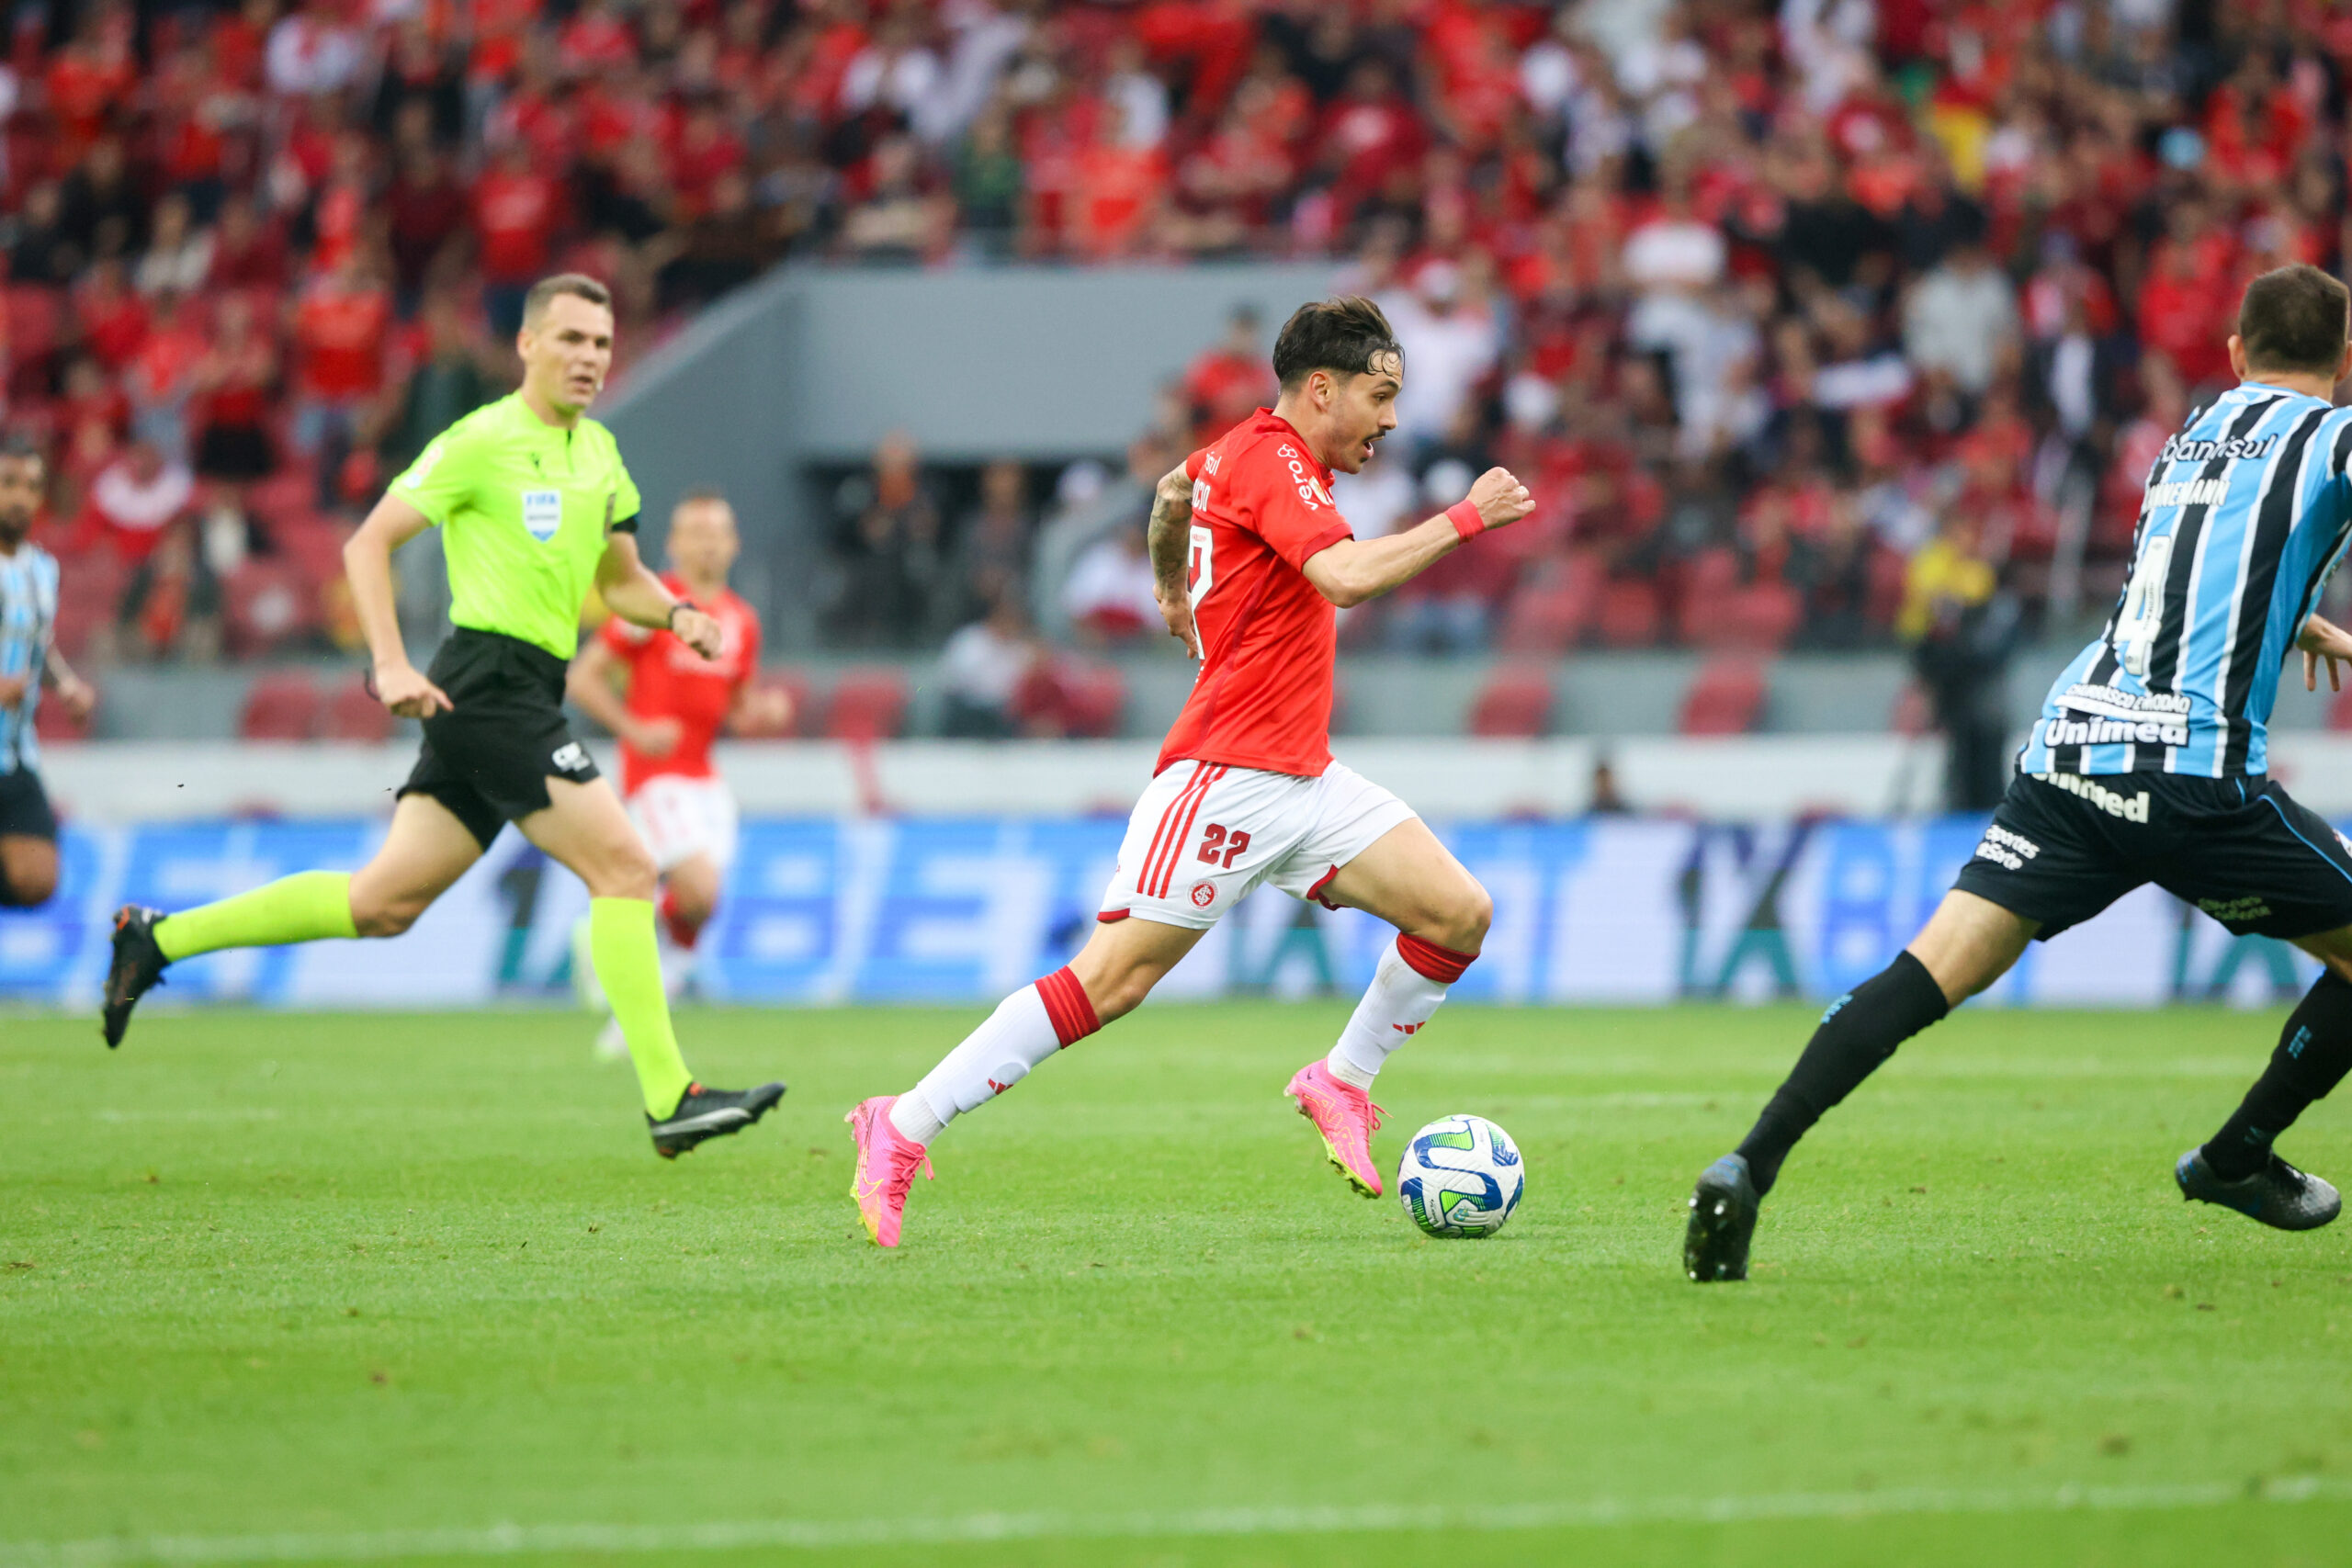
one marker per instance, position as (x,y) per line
(29,660)
(2149,764)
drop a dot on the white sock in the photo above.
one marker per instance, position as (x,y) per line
(1028,1027)
(1397,1002)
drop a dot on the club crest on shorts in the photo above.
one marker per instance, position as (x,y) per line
(1203,895)
(542,512)
(571,758)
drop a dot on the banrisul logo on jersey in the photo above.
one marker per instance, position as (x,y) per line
(542,512)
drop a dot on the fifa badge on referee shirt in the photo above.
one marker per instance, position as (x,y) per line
(542,512)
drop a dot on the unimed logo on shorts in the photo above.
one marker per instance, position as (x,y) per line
(570,758)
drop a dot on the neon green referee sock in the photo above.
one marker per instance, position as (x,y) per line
(306,907)
(628,965)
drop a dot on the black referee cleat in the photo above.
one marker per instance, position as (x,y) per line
(1723,1221)
(137,967)
(709,1113)
(2278,1195)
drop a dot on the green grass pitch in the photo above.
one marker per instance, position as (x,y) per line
(295,1288)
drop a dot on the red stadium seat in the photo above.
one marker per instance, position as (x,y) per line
(1727,699)
(1709,580)
(269,604)
(868,705)
(353,714)
(2339,710)
(1551,612)
(1629,615)
(54,724)
(314,545)
(794,685)
(1093,697)
(1758,618)
(280,706)
(291,493)
(1515,703)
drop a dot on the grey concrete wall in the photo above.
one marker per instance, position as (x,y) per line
(1598,694)
(816,365)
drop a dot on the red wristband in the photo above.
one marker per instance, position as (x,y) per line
(1464,515)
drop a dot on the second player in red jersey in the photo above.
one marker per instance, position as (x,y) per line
(1252,563)
(676,704)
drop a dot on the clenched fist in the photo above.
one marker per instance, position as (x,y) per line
(1500,499)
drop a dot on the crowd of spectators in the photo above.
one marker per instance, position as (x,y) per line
(1819,323)
(1791,311)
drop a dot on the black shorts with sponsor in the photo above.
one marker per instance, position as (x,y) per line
(24,806)
(2063,847)
(489,757)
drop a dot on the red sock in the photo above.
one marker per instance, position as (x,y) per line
(682,931)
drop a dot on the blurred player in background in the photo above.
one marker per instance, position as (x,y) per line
(1251,560)
(676,704)
(536,508)
(29,660)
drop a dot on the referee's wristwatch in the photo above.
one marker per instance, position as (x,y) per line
(677,605)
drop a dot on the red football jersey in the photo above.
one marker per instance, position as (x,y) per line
(1262,505)
(669,680)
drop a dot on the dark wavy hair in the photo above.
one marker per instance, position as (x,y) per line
(1347,335)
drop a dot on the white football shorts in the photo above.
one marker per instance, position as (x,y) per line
(682,817)
(1205,833)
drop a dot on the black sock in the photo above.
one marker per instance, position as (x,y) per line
(2314,1050)
(1860,1030)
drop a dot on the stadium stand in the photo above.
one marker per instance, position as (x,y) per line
(284,706)
(1515,701)
(1767,302)
(866,704)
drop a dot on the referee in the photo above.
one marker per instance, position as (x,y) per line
(29,660)
(535,507)
(2150,764)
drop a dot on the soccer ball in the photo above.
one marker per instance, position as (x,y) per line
(1460,1177)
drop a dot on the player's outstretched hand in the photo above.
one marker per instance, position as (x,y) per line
(2323,638)
(77,696)
(1177,613)
(1500,499)
(699,629)
(403,689)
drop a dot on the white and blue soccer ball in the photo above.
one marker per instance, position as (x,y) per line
(1460,1177)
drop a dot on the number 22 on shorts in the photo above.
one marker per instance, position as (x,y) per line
(1220,848)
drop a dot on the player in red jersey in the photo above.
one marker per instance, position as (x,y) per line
(1251,558)
(677,703)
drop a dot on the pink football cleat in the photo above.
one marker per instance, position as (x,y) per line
(887,1164)
(1346,1117)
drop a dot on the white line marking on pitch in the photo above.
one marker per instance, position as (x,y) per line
(517,1540)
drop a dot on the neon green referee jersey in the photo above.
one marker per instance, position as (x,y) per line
(523,510)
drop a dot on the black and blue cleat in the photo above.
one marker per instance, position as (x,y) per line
(1722,1221)
(2278,1195)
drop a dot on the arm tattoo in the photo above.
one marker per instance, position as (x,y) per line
(1170,536)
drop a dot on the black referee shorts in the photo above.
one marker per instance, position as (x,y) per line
(24,806)
(489,758)
(2063,847)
